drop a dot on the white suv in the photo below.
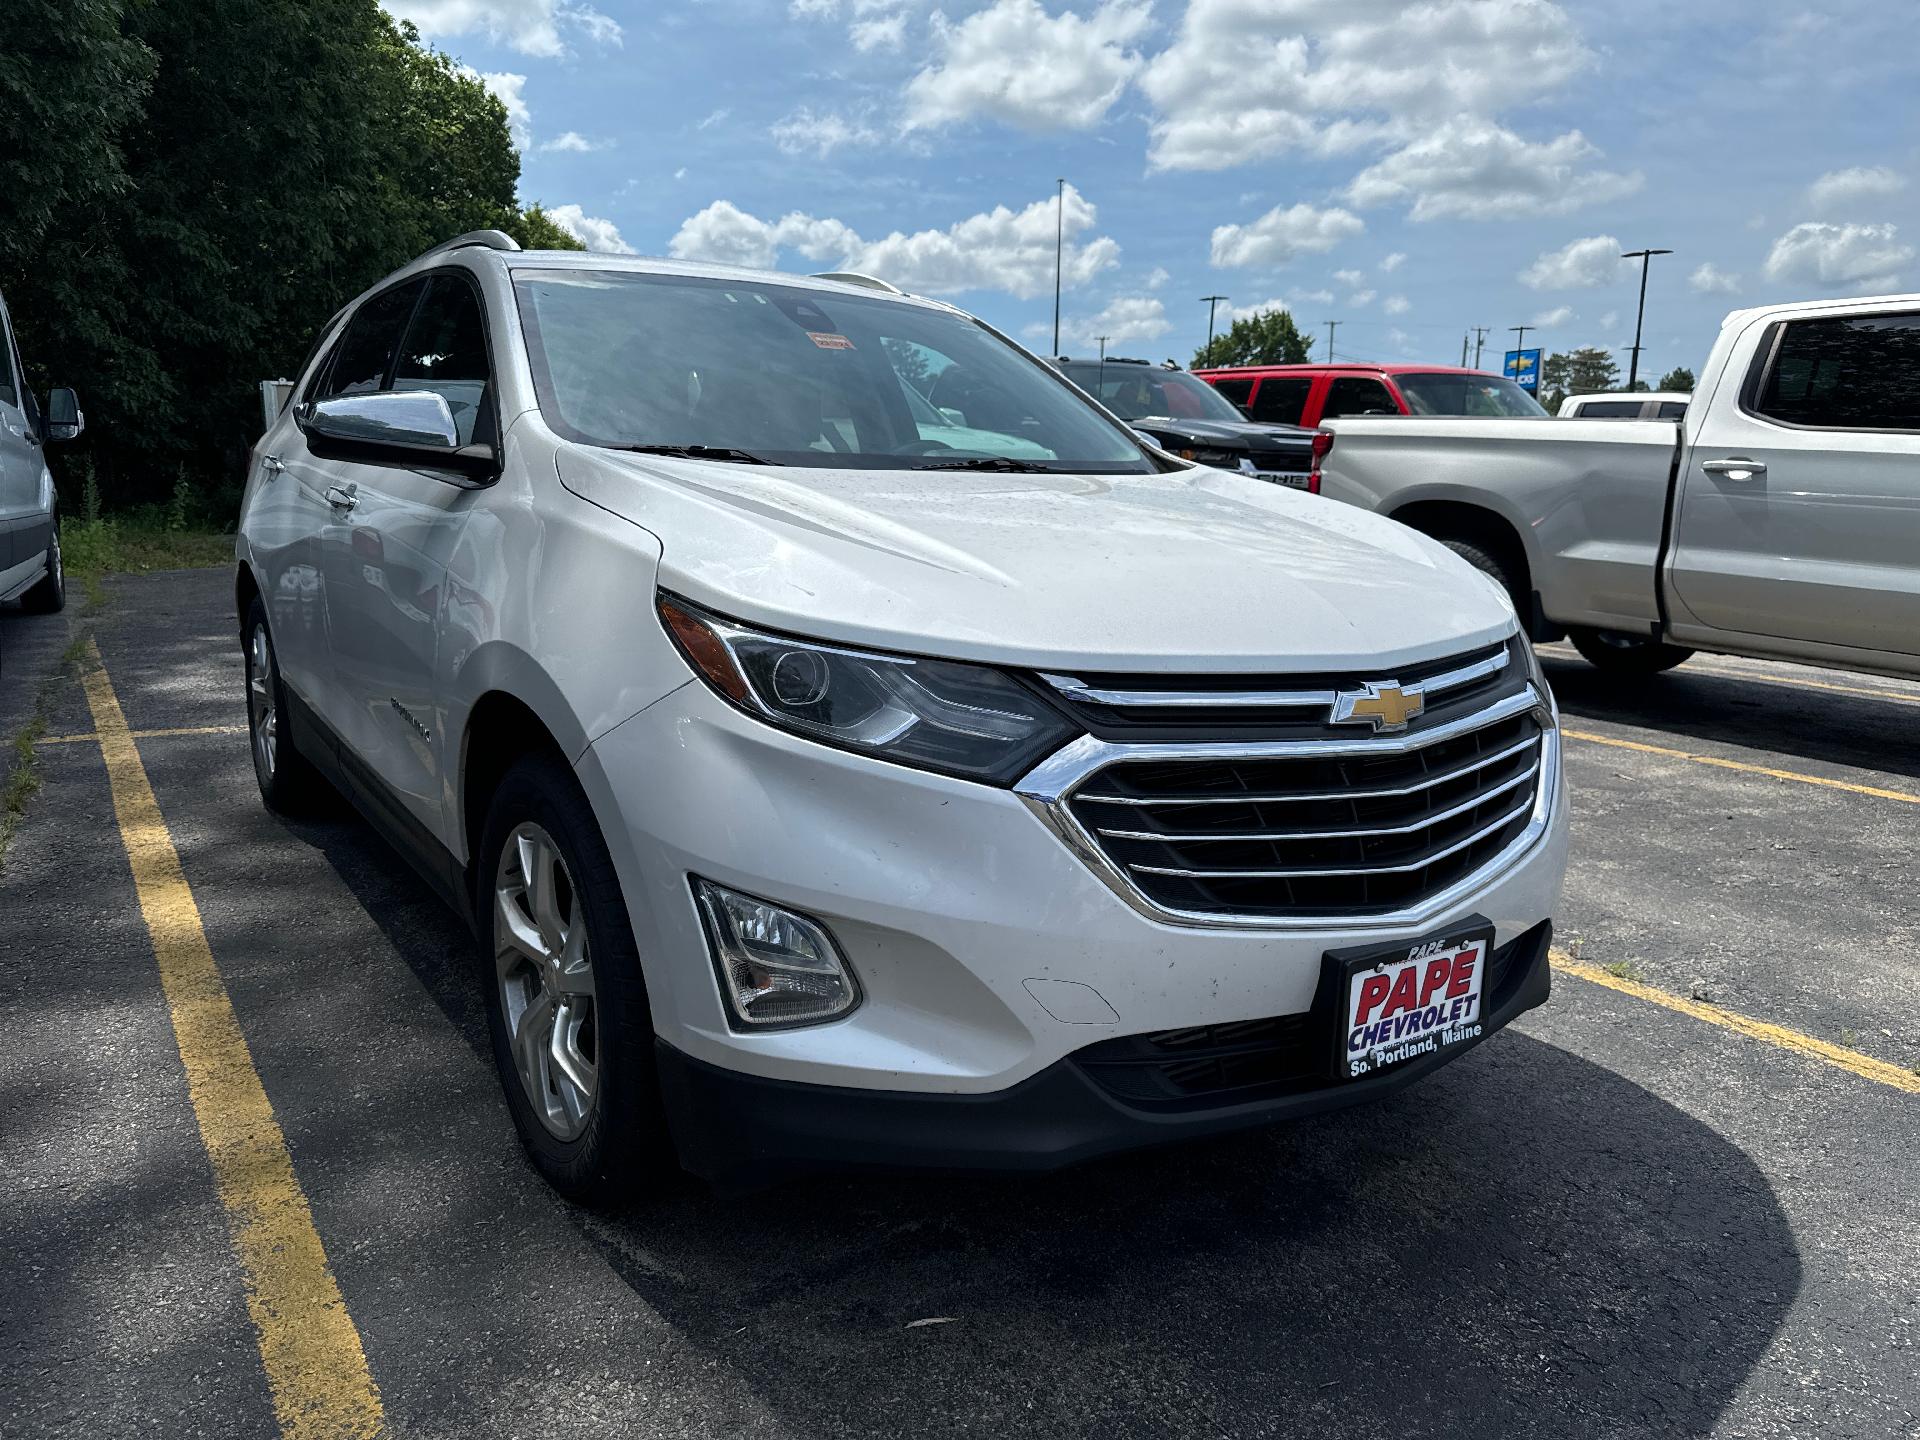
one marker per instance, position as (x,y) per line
(837,779)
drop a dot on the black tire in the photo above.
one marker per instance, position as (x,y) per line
(288,781)
(49,594)
(621,1148)
(1485,561)
(1623,654)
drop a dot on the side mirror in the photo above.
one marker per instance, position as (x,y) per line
(399,427)
(63,419)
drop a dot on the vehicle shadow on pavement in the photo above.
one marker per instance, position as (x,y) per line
(1820,725)
(1523,1245)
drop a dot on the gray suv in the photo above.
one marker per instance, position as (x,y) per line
(30,568)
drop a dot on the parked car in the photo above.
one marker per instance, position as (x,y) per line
(1192,419)
(1780,517)
(30,564)
(826,791)
(1625,405)
(1308,394)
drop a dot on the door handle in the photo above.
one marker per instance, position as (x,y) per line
(1735,467)
(272,465)
(342,497)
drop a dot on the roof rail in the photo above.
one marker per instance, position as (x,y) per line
(487,239)
(854,277)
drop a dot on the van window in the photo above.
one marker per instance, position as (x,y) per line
(1356,395)
(1851,372)
(1281,399)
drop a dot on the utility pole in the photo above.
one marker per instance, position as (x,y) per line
(1521,343)
(1479,342)
(1330,328)
(1464,338)
(1210,301)
(1644,257)
(1059,244)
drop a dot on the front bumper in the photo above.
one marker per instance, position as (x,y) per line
(738,1130)
(987,950)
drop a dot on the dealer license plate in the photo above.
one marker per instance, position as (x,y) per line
(1400,1002)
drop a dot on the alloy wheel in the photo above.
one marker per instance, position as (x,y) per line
(544,968)
(262,713)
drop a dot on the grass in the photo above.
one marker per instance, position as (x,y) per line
(134,543)
(1627,970)
(23,779)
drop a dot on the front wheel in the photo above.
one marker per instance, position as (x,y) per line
(49,595)
(566,1004)
(288,781)
(1624,654)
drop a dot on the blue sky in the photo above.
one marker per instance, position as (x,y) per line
(1408,169)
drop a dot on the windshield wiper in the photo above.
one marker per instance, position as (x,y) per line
(699,452)
(1006,464)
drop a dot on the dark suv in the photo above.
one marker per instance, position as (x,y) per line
(1194,421)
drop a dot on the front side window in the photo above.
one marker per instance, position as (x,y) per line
(1357,395)
(364,357)
(1134,391)
(446,352)
(797,376)
(1851,372)
(8,391)
(1282,399)
(1482,395)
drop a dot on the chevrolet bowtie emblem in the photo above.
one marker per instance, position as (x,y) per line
(1384,706)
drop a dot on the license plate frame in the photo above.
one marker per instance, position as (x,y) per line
(1437,1016)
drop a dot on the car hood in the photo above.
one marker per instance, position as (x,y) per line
(1194,571)
(1230,434)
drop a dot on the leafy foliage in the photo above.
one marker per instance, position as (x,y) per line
(1678,378)
(537,230)
(1268,338)
(227,174)
(1577,372)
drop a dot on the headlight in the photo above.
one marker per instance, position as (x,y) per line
(1222,459)
(1538,676)
(964,720)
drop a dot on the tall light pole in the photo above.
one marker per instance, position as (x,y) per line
(1644,257)
(1331,324)
(1100,384)
(1059,244)
(1210,301)
(1479,342)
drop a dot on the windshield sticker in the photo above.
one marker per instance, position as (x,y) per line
(828,341)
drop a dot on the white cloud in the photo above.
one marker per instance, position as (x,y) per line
(1547,319)
(1158,277)
(1610,319)
(1858,182)
(510,91)
(1360,299)
(1247,312)
(888,32)
(533,27)
(1839,257)
(1316,297)
(1334,75)
(713,118)
(1280,235)
(590,230)
(1125,318)
(681,173)
(576,143)
(1005,250)
(1710,279)
(1471,169)
(1015,63)
(1394,261)
(1396,304)
(1578,265)
(805,132)
(1349,277)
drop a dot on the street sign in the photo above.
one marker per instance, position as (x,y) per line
(1523,368)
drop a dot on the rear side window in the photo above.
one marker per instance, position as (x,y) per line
(446,352)
(1356,395)
(1612,410)
(1672,409)
(1281,399)
(1851,372)
(1237,391)
(364,358)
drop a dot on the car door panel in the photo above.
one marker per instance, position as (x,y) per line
(19,466)
(1817,538)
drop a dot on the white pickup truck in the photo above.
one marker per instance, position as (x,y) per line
(1780,517)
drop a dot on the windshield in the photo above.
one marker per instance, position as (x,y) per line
(793,376)
(1465,395)
(1132,391)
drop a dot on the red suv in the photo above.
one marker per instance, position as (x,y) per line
(1308,394)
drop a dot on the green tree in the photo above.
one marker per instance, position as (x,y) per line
(1679,378)
(537,230)
(1577,372)
(1267,338)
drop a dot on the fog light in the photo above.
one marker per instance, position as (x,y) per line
(776,967)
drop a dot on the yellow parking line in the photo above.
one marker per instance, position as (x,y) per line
(1795,775)
(1795,681)
(1864,1066)
(315,1367)
(92,738)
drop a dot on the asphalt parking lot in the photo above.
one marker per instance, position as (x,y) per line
(1678,1200)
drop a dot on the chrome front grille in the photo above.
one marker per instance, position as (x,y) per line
(1350,830)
